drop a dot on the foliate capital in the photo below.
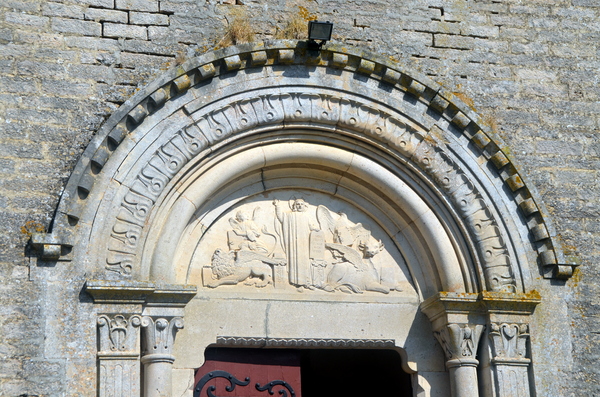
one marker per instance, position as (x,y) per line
(118,334)
(159,334)
(460,342)
(509,342)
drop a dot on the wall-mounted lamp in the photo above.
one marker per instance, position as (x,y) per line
(319,31)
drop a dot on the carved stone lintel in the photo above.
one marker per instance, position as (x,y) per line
(304,343)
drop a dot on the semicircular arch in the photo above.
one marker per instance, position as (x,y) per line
(128,188)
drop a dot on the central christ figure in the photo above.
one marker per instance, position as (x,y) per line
(295,237)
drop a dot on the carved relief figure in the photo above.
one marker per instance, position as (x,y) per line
(294,231)
(233,267)
(350,273)
(353,244)
(311,249)
(248,233)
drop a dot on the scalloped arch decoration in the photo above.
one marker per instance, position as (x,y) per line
(226,99)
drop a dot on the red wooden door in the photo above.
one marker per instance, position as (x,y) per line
(249,373)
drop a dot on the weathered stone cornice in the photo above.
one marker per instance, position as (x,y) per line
(139,292)
(480,308)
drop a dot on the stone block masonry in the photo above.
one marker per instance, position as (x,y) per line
(529,68)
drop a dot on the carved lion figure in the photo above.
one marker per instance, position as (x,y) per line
(233,267)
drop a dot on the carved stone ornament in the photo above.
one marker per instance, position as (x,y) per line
(305,343)
(118,355)
(460,341)
(305,107)
(509,342)
(118,334)
(309,247)
(473,208)
(510,358)
(159,334)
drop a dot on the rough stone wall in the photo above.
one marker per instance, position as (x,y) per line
(529,67)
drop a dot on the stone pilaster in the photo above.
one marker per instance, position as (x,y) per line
(118,355)
(155,308)
(508,339)
(158,339)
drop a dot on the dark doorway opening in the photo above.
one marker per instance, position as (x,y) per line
(353,373)
(302,372)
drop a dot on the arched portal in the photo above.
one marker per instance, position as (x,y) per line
(322,198)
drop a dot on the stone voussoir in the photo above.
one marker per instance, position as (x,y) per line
(286,54)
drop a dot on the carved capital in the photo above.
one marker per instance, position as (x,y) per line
(509,343)
(460,342)
(159,334)
(118,335)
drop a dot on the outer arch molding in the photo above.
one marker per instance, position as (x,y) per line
(372,99)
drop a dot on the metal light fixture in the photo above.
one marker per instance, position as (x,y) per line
(319,31)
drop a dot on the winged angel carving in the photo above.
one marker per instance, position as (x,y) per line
(309,249)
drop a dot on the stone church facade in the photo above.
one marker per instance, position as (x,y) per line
(184,175)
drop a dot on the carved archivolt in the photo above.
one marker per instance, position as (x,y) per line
(316,108)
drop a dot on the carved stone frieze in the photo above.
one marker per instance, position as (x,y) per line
(318,109)
(304,343)
(459,341)
(294,243)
